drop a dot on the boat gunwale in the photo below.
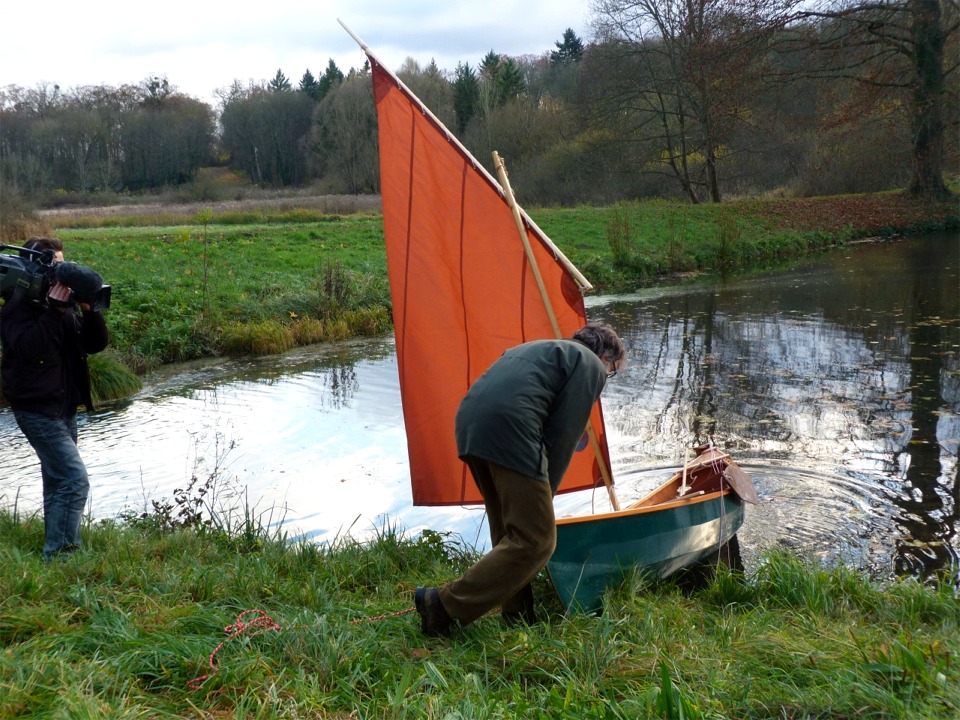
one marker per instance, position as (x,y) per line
(646,509)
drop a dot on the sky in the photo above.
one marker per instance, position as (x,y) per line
(203,45)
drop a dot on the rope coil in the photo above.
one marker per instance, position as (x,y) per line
(260,624)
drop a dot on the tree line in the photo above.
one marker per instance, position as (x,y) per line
(697,99)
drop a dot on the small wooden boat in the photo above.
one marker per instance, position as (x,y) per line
(681,523)
(464,290)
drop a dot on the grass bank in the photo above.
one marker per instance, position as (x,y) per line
(215,287)
(126,629)
(246,279)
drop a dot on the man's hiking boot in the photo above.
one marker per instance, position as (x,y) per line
(519,618)
(433,617)
(519,609)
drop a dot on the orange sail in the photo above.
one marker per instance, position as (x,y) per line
(462,288)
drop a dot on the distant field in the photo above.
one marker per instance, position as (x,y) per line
(267,274)
(170,212)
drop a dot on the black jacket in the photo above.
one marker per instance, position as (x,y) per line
(44,364)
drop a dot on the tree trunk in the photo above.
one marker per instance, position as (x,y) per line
(928,42)
(712,182)
(681,172)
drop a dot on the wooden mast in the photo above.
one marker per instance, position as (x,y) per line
(518,219)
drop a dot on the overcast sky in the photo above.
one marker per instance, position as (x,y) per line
(203,45)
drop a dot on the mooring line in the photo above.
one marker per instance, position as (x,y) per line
(262,623)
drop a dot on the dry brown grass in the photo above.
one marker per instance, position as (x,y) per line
(263,201)
(18,230)
(18,221)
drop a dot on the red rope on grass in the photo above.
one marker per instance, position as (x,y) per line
(398,613)
(260,624)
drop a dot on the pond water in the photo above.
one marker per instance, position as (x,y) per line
(835,383)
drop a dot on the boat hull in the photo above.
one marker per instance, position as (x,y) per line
(595,552)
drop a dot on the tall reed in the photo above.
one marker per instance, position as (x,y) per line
(619,234)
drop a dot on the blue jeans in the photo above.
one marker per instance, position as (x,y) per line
(65,483)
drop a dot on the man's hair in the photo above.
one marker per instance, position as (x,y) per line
(43,243)
(604,341)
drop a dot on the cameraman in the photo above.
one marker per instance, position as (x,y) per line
(45,378)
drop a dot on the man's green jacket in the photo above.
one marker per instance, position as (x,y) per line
(528,411)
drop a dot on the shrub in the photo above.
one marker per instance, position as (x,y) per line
(266,337)
(619,236)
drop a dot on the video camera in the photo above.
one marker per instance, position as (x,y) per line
(36,272)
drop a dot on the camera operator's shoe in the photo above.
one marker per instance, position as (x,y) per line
(434,619)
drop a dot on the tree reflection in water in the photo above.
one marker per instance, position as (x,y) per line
(341,384)
(837,380)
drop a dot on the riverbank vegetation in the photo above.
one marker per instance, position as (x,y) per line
(134,626)
(260,279)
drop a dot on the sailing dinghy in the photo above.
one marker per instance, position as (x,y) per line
(687,520)
(465,289)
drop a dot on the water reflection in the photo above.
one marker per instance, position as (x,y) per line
(835,384)
(313,439)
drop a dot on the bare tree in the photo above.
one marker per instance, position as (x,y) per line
(686,67)
(429,84)
(99,137)
(165,140)
(907,48)
(265,131)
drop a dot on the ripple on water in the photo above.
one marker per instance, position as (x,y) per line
(821,513)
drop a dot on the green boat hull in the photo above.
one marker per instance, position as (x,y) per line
(594,553)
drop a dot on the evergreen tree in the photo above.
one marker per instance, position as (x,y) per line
(466,95)
(501,80)
(490,66)
(279,83)
(510,81)
(569,49)
(331,78)
(309,85)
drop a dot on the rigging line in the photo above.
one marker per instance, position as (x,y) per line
(723,519)
(723,511)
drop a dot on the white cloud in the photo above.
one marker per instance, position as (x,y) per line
(201,46)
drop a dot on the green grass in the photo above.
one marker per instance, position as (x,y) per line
(125,629)
(628,244)
(184,292)
(259,281)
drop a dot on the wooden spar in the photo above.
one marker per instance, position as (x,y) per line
(534,266)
